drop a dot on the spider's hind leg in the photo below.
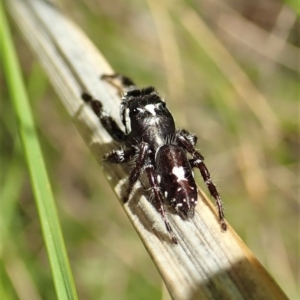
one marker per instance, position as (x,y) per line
(197,161)
(158,199)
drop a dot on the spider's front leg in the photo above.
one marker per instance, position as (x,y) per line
(197,161)
(125,82)
(119,156)
(107,121)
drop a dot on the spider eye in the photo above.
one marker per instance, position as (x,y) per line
(162,106)
(137,110)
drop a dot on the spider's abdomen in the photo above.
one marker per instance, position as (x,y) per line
(176,179)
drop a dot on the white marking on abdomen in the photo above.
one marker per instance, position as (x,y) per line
(179,173)
(158,178)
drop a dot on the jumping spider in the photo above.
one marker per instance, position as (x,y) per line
(166,155)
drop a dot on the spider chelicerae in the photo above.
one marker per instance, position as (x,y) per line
(166,155)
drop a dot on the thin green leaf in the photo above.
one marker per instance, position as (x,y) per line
(62,275)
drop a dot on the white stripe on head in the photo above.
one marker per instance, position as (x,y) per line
(127,121)
(151,109)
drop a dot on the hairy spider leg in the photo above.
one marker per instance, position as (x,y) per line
(140,164)
(190,136)
(126,83)
(198,162)
(158,200)
(107,121)
(119,156)
(136,171)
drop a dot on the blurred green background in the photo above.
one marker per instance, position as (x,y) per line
(229,71)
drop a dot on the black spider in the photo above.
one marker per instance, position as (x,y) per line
(157,149)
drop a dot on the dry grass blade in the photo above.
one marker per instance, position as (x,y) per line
(207,264)
(231,70)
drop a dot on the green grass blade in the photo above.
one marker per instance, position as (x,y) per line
(62,275)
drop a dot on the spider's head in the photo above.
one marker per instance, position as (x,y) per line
(143,108)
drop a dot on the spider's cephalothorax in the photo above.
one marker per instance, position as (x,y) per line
(166,155)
